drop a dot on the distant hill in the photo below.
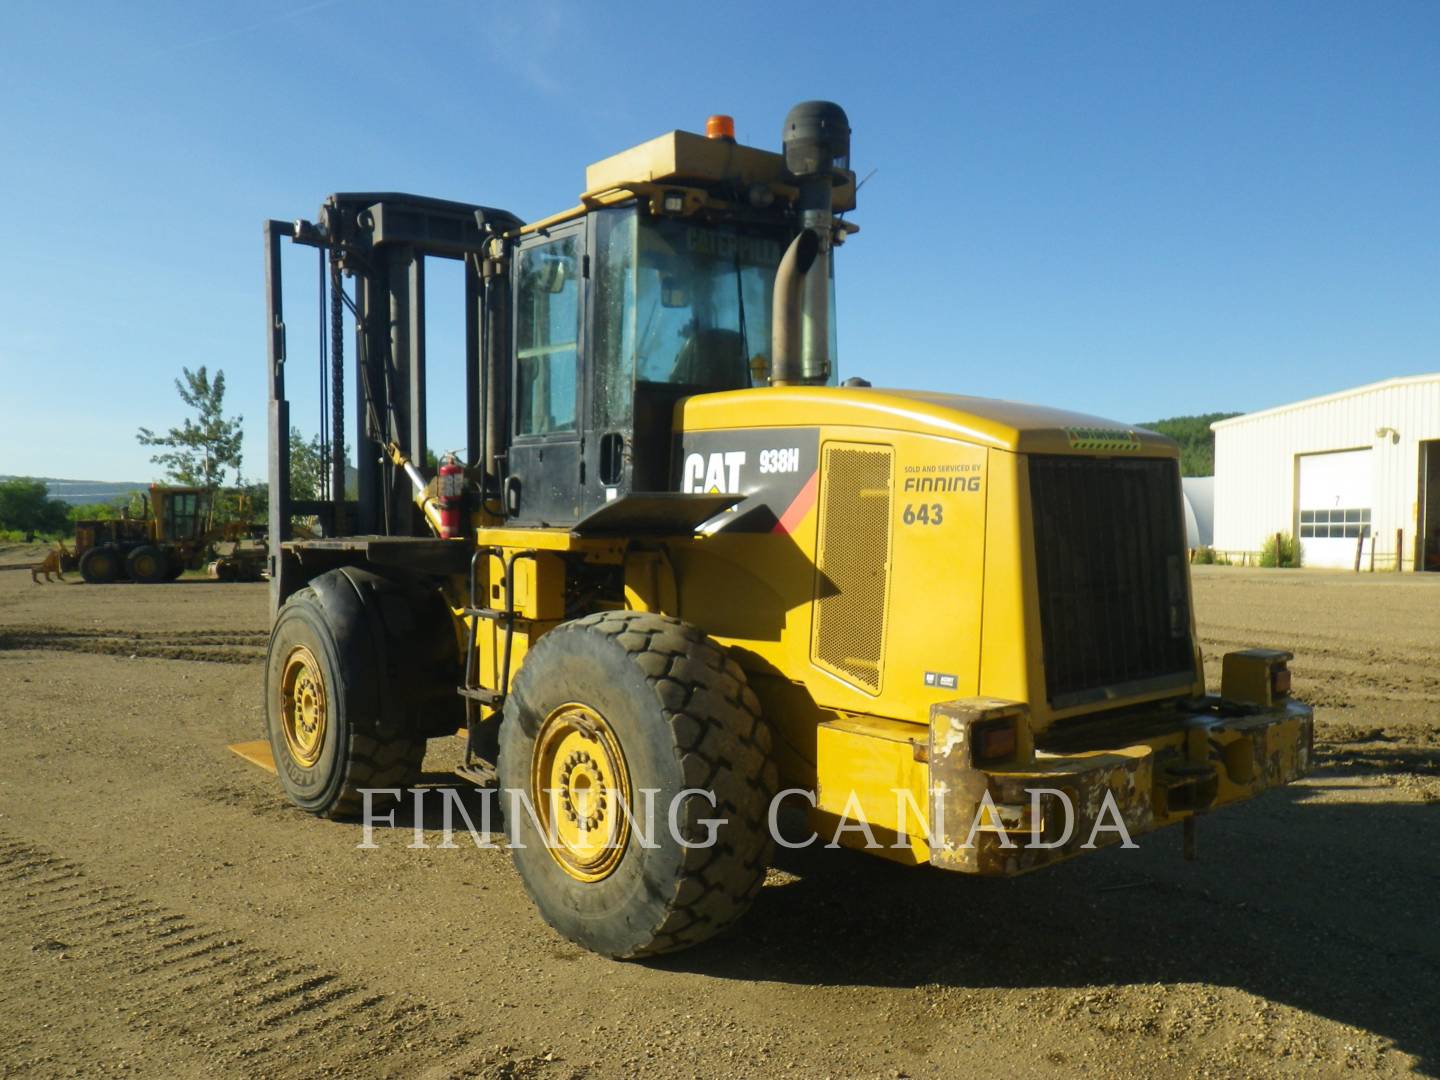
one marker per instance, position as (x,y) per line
(1197,441)
(86,492)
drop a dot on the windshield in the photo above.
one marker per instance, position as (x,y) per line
(684,303)
(703,303)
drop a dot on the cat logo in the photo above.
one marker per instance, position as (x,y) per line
(715,474)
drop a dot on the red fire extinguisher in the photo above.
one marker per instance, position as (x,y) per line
(450,495)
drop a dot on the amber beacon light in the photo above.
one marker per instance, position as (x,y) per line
(720,127)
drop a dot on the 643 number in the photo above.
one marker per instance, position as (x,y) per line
(923,514)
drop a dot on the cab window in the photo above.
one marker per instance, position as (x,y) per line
(547,322)
(184,514)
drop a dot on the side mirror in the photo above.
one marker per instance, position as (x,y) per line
(553,273)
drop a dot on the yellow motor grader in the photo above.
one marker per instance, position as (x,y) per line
(172,533)
(679,563)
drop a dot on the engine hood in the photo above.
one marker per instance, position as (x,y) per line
(1002,425)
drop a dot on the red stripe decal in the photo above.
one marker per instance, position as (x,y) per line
(800,506)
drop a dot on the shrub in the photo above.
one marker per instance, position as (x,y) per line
(1285,554)
(1208,556)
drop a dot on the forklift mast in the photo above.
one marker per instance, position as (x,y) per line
(381,240)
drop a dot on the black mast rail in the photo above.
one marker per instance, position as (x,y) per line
(381,239)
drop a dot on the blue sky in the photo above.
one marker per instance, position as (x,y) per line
(1132,209)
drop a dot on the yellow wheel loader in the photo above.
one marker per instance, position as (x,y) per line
(683,581)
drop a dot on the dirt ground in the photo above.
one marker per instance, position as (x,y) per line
(164,912)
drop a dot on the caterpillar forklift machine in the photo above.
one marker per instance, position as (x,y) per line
(683,568)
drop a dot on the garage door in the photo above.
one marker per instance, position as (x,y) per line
(1335,493)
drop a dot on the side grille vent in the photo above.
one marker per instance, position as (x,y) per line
(852,582)
(1110,562)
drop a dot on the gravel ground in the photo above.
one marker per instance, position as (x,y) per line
(166,913)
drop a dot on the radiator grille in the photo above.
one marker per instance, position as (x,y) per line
(853,563)
(1109,557)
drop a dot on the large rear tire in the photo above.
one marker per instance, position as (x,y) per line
(148,564)
(100,565)
(604,709)
(340,712)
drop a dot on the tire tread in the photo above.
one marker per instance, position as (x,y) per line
(723,744)
(374,758)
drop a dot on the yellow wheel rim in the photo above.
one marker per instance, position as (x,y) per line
(145,566)
(302,707)
(578,779)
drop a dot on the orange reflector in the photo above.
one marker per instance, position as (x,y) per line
(720,127)
(1280,682)
(994,743)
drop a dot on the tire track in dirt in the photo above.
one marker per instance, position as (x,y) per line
(167,977)
(1403,674)
(1288,629)
(1347,685)
(212,646)
(1341,676)
(1324,648)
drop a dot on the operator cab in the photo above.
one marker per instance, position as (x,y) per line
(617,316)
(179,513)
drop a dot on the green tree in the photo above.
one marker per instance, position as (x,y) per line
(199,452)
(309,466)
(1197,441)
(132,505)
(26,506)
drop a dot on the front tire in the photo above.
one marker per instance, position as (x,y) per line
(337,721)
(148,565)
(100,565)
(604,709)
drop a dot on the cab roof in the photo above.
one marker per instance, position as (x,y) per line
(683,158)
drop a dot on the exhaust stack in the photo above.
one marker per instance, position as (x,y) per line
(816,142)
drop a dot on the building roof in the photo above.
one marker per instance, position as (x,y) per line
(1384,384)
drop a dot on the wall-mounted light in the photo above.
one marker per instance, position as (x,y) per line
(1381,432)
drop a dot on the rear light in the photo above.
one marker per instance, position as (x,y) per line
(994,741)
(1255,677)
(1280,682)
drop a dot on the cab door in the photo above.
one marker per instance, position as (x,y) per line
(544,479)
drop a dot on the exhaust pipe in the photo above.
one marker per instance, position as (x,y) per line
(816,143)
(786,332)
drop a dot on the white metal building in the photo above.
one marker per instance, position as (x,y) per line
(1344,471)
